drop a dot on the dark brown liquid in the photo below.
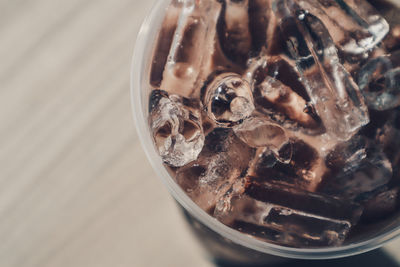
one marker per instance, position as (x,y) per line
(281,118)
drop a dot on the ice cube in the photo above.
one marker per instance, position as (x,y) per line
(233,30)
(208,124)
(297,164)
(227,98)
(278,89)
(279,67)
(392,41)
(206,181)
(347,156)
(379,81)
(192,48)
(259,131)
(354,25)
(357,167)
(334,94)
(287,101)
(176,126)
(298,199)
(222,161)
(389,9)
(366,16)
(264,159)
(164,42)
(287,216)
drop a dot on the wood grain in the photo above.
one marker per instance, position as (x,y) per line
(75,186)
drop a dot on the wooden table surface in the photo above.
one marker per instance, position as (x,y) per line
(75,186)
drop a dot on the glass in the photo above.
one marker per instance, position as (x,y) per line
(221,239)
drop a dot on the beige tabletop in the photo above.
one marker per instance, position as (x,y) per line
(75,186)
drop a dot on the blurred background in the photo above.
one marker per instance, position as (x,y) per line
(75,186)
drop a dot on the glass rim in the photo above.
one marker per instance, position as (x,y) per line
(145,41)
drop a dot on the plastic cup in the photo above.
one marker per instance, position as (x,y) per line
(223,242)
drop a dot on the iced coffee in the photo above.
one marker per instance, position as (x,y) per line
(281,118)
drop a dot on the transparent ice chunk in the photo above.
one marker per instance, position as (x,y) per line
(164,42)
(347,156)
(296,164)
(314,203)
(286,100)
(355,26)
(288,216)
(278,89)
(176,126)
(379,81)
(366,16)
(334,94)
(259,131)
(357,167)
(234,32)
(389,9)
(222,161)
(192,48)
(228,99)
(281,67)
